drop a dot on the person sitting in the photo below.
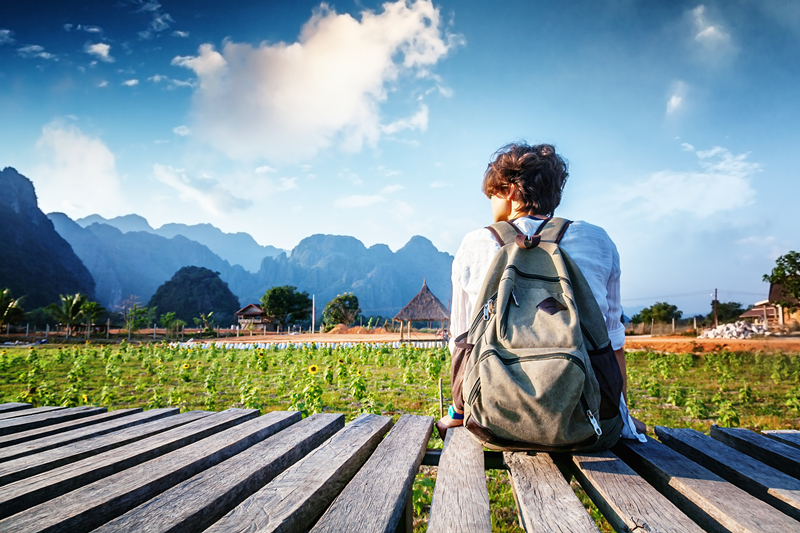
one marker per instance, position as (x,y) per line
(524,185)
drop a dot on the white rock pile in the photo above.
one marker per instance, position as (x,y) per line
(737,330)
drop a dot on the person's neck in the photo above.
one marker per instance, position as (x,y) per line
(515,215)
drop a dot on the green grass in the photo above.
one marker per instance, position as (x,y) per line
(677,390)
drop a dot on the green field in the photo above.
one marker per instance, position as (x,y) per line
(678,390)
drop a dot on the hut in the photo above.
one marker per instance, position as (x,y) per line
(422,307)
(253,317)
(770,311)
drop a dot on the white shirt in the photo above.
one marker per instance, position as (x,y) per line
(588,245)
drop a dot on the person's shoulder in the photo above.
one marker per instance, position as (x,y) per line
(586,230)
(480,236)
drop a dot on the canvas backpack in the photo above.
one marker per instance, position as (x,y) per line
(540,374)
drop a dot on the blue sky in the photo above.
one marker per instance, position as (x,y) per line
(284,119)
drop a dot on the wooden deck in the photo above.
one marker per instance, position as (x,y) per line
(84,469)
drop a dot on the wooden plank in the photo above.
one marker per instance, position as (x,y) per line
(627,501)
(38,433)
(296,497)
(790,437)
(376,498)
(92,505)
(769,451)
(16,425)
(47,485)
(704,496)
(29,412)
(545,501)
(763,482)
(199,502)
(30,465)
(116,423)
(13,406)
(460,499)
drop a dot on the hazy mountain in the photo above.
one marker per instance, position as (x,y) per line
(135,263)
(35,261)
(138,262)
(236,248)
(124,223)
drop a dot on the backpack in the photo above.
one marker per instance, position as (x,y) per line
(541,374)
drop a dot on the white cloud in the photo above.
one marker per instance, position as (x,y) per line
(103,83)
(67,27)
(204,191)
(161,22)
(287,184)
(264,169)
(286,101)
(181,130)
(714,43)
(77,172)
(418,121)
(157,78)
(90,29)
(389,189)
(33,51)
(130,83)
(438,184)
(100,50)
(179,33)
(722,184)
(6,37)
(144,35)
(686,147)
(358,200)
(676,100)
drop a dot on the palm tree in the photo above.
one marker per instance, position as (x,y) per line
(10,309)
(92,311)
(69,312)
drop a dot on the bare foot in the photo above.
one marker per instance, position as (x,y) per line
(445,423)
(640,426)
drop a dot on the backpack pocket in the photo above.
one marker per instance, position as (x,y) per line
(535,314)
(609,380)
(536,401)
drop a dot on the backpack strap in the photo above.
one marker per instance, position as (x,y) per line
(553,229)
(504,232)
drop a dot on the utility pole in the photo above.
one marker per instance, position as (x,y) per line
(716,321)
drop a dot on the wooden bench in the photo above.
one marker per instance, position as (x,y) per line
(161,470)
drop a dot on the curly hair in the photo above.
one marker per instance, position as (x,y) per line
(537,172)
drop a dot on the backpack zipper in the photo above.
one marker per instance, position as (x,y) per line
(553,279)
(477,320)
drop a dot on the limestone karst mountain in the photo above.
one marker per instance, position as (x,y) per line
(35,261)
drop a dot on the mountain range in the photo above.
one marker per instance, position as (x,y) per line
(127,257)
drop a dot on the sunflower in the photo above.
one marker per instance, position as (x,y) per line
(186,366)
(30,347)
(313,369)
(341,361)
(85,399)
(358,372)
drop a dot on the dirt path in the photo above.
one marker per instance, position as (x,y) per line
(688,344)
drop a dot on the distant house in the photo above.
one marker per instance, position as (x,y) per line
(252,316)
(770,312)
(423,307)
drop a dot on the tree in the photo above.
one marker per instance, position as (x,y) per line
(169,321)
(10,309)
(341,310)
(727,312)
(787,274)
(206,320)
(68,310)
(92,311)
(286,305)
(658,312)
(134,315)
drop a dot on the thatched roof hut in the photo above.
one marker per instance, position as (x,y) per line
(424,306)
